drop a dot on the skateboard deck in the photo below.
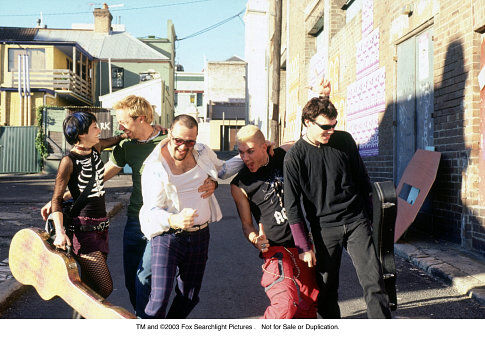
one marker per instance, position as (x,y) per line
(384,202)
(34,261)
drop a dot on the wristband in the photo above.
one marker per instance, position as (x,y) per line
(300,237)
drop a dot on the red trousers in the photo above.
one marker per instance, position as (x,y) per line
(290,285)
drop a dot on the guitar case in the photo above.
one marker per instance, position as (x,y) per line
(384,203)
(33,260)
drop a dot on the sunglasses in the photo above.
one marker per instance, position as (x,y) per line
(180,141)
(326,127)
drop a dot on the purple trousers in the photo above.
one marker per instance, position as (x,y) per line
(181,257)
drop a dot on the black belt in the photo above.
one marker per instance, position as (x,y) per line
(189,230)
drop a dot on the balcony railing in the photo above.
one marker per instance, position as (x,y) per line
(59,80)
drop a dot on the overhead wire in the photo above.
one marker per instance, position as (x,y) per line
(205,30)
(112,9)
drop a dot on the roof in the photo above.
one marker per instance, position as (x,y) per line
(17,33)
(117,45)
(235,58)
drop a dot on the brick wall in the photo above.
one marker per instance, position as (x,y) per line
(457,213)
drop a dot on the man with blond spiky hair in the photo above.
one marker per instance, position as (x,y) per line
(258,191)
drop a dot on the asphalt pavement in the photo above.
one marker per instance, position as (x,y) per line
(22,196)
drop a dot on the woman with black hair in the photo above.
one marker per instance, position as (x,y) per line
(89,235)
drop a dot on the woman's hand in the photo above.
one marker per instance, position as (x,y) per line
(62,240)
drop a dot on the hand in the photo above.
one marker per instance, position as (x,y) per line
(62,241)
(324,88)
(207,188)
(309,258)
(46,211)
(184,219)
(161,129)
(261,243)
(271,145)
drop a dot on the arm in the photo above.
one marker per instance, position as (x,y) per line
(46,210)
(226,168)
(292,191)
(242,204)
(110,170)
(63,173)
(287,146)
(109,142)
(361,178)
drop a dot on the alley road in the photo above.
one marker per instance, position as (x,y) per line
(231,283)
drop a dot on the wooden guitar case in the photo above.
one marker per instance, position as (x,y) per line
(384,204)
(34,261)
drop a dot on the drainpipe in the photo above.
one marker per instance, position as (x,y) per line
(25,90)
(110,76)
(19,73)
(29,95)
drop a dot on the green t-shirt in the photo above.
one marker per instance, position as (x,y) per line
(134,153)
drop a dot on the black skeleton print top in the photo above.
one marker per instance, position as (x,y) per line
(77,170)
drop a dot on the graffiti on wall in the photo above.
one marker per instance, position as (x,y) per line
(366,98)
(367,57)
(367,16)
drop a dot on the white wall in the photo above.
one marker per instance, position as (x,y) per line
(256,44)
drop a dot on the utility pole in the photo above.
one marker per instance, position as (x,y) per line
(276,72)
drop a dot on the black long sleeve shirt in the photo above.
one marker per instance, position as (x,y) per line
(331,179)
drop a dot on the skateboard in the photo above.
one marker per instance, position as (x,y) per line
(384,204)
(35,261)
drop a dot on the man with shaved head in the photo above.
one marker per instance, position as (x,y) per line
(258,191)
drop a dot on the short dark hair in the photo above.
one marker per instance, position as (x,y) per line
(318,106)
(76,124)
(185,120)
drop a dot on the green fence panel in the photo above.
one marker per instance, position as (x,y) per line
(17,150)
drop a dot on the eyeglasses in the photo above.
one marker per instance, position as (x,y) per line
(180,141)
(326,127)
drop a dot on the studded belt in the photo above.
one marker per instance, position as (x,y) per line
(91,228)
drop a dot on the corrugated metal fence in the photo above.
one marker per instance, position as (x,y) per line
(17,149)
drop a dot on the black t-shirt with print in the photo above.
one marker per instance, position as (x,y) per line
(264,189)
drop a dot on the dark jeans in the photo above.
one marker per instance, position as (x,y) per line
(356,238)
(136,264)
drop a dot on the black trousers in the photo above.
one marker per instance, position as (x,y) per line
(356,238)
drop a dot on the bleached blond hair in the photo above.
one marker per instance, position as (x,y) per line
(137,106)
(250,133)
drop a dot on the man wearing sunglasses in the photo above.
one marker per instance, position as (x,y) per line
(325,170)
(175,217)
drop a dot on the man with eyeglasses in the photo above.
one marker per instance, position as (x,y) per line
(175,217)
(325,170)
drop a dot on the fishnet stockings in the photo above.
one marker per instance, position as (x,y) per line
(95,273)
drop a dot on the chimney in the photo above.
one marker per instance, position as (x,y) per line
(102,20)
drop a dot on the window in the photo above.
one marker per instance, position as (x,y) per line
(192,99)
(175,99)
(352,7)
(117,77)
(36,58)
(199,99)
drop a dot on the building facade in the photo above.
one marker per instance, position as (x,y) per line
(76,66)
(225,94)
(189,94)
(405,76)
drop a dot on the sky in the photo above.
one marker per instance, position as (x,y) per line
(147,17)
